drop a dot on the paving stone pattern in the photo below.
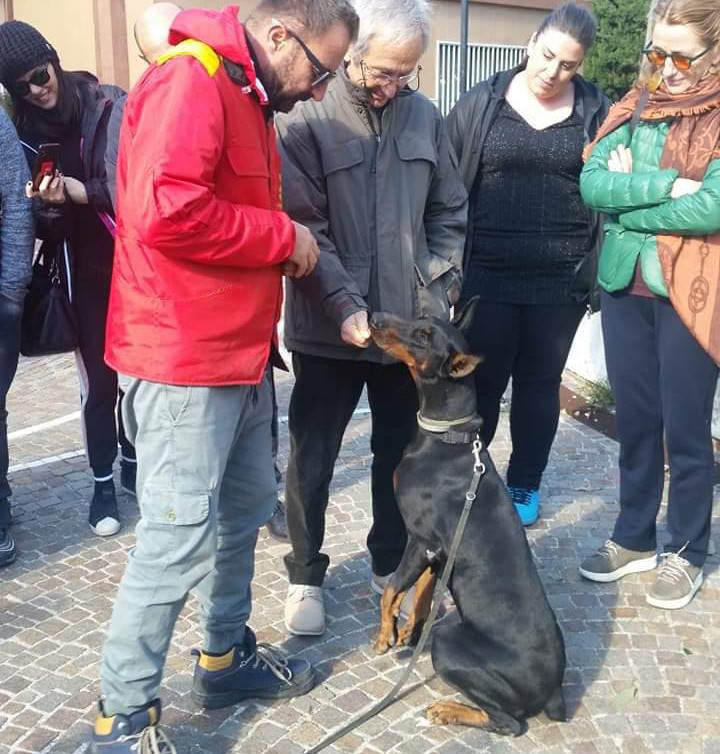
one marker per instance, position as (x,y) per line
(638,680)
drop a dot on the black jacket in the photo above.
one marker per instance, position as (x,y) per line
(99,131)
(468,125)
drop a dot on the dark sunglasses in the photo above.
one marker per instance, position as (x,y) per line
(322,73)
(681,62)
(39,78)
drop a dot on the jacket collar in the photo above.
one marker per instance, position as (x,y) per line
(222,31)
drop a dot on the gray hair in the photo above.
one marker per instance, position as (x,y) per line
(397,21)
(316,17)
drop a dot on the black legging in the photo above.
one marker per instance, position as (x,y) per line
(530,343)
(102,420)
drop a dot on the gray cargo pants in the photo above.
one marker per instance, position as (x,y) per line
(205,485)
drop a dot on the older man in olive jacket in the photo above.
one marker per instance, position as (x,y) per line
(371,172)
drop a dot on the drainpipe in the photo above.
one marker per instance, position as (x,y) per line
(464,11)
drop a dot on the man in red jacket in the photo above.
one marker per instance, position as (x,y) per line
(201,248)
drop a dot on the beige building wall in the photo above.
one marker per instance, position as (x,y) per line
(67,24)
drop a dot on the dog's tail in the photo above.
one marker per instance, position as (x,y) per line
(555,708)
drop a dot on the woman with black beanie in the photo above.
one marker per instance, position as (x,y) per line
(75,208)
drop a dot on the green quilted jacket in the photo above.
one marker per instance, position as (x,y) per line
(639,206)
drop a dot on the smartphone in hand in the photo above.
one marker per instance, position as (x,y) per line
(46,163)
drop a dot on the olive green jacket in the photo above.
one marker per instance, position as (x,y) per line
(640,206)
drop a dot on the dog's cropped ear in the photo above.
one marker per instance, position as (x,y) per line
(463,318)
(462,364)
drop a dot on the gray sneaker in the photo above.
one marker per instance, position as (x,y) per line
(611,562)
(676,583)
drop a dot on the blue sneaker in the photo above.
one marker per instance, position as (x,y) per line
(131,734)
(527,503)
(246,671)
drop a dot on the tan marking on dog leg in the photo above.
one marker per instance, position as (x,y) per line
(421,607)
(452,713)
(389,608)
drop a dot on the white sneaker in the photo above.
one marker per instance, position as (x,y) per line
(378,584)
(305,610)
(106,527)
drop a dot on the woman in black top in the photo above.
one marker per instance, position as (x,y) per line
(75,208)
(519,137)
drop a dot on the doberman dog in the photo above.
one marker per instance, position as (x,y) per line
(506,655)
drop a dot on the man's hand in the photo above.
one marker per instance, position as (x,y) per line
(684,187)
(304,258)
(355,331)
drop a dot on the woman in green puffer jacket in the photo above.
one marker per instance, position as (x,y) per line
(654,169)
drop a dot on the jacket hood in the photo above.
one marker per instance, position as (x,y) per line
(222,31)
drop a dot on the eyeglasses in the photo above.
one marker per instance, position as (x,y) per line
(39,78)
(322,72)
(380,78)
(681,62)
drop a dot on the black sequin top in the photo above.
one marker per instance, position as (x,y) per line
(530,227)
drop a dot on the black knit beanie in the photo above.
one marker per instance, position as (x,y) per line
(22,48)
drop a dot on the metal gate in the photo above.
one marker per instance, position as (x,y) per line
(483,61)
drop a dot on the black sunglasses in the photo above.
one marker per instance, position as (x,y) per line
(39,78)
(680,61)
(322,72)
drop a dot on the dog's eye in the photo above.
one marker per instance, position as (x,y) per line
(423,336)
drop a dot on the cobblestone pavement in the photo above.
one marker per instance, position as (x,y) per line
(638,679)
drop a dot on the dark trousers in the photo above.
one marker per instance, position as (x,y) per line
(530,343)
(10,316)
(324,397)
(102,419)
(663,383)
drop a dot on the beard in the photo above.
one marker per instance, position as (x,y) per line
(281,96)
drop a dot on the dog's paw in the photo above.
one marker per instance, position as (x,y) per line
(409,633)
(383,643)
(439,714)
(452,713)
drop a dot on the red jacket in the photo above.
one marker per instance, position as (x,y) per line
(196,291)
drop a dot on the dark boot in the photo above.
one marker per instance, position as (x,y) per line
(130,734)
(248,671)
(277,525)
(128,475)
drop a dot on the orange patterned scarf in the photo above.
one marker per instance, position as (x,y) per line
(690,264)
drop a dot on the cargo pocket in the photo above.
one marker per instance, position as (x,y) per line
(172,508)
(177,399)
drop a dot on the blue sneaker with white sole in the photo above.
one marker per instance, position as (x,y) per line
(527,503)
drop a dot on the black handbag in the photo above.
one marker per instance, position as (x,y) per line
(49,324)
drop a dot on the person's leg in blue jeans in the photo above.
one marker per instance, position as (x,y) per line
(277,523)
(10,316)
(629,334)
(688,378)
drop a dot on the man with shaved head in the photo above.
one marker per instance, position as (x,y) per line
(151,30)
